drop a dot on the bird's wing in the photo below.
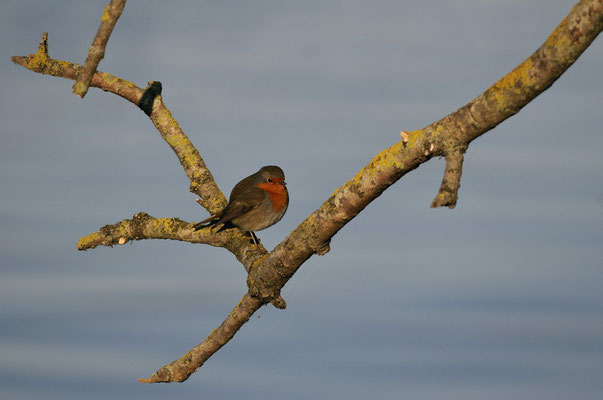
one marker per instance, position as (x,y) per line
(241,204)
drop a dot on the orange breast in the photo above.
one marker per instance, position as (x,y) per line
(278,194)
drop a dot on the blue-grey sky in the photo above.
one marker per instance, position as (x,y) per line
(499,298)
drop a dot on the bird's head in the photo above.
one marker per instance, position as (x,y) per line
(271,179)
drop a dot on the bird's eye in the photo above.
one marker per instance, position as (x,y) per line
(269,180)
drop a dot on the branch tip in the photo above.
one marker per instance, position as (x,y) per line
(43,46)
(279,303)
(324,248)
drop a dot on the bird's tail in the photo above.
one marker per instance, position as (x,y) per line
(203,224)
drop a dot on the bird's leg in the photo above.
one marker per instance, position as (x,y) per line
(255,239)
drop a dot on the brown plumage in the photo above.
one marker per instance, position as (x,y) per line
(255,203)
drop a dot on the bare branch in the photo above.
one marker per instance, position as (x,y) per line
(451,182)
(43,64)
(179,370)
(143,226)
(202,182)
(96,52)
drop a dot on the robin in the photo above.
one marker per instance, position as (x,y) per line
(255,203)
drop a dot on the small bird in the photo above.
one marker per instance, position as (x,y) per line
(255,203)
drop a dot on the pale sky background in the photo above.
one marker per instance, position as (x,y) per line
(500,298)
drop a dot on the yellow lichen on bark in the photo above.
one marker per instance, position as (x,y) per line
(387,158)
(38,61)
(106,15)
(164,116)
(511,85)
(165,225)
(109,78)
(79,87)
(517,79)
(87,241)
(558,39)
(413,136)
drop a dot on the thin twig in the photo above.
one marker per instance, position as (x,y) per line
(143,226)
(41,62)
(202,182)
(451,182)
(96,52)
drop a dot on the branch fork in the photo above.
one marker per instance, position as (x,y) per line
(96,52)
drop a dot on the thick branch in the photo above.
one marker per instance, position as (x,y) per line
(503,99)
(179,370)
(202,182)
(96,52)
